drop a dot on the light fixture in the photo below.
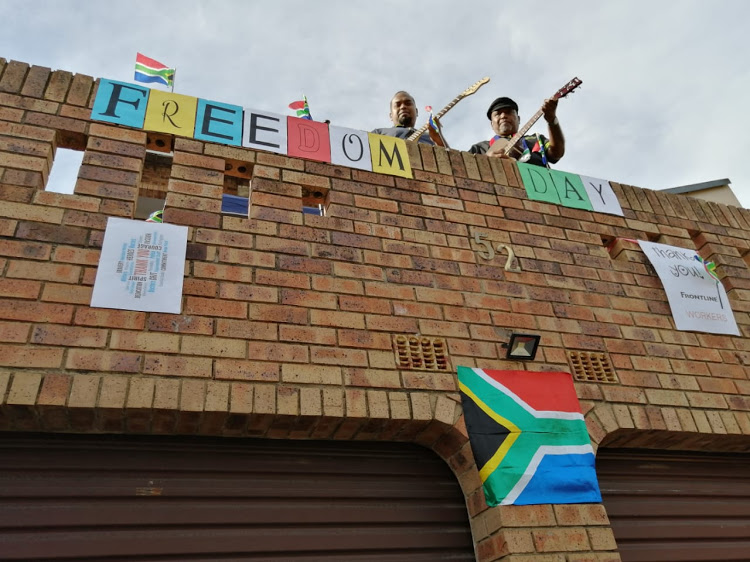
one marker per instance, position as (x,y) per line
(522,347)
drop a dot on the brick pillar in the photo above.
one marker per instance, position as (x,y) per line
(112,167)
(195,187)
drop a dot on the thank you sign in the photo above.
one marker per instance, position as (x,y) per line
(696,296)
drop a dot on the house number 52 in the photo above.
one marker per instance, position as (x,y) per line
(487,252)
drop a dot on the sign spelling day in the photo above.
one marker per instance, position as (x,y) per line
(698,300)
(186,116)
(141,266)
(569,190)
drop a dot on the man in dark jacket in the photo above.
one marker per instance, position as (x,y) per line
(403,115)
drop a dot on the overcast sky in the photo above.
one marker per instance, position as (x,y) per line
(664,100)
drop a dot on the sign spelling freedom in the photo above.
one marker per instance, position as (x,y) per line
(696,296)
(141,266)
(528,436)
(139,107)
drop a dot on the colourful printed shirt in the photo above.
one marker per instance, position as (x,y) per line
(534,149)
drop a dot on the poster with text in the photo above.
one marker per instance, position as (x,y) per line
(697,298)
(141,266)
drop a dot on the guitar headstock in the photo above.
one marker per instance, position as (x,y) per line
(474,87)
(568,88)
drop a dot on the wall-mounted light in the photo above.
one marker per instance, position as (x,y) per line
(522,347)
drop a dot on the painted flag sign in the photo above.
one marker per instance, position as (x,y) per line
(149,70)
(528,437)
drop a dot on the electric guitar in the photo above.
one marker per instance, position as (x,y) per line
(466,93)
(511,145)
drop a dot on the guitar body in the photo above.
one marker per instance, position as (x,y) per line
(504,146)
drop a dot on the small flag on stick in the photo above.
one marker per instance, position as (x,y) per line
(149,70)
(302,109)
(434,129)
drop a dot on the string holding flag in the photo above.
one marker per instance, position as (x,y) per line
(302,108)
(148,70)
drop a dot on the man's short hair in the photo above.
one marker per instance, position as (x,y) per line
(501,103)
(402,92)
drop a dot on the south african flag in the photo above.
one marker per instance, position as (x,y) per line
(528,437)
(149,70)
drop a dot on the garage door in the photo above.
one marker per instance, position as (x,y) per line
(125,498)
(677,507)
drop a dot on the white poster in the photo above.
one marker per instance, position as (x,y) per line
(264,130)
(350,148)
(602,196)
(697,298)
(141,266)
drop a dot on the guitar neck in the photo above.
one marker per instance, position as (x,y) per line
(522,131)
(419,132)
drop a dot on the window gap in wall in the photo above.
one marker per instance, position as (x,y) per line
(64,172)
(66,162)
(157,169)
(236,193)
(314,201)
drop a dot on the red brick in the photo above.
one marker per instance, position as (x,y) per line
(565,540)
(391,324)
(55,389)
(69,336)
(180,323)
(338,356)
(277,313)
(283,279)
(124,319)
(278,352)
(311,299)
(335,285)
(337,319)
(13,76)
(14,332)
(212,346)
(35,311)
(178,366)
(30,356)
(20,288)
(215,307)
(249,370)
(103,361)
(301,334)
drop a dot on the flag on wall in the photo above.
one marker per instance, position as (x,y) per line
(302,109)
(149,70)
(528,437)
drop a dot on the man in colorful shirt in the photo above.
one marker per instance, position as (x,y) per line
(403,115)
(532,149)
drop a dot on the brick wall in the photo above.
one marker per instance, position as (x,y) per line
(288,320)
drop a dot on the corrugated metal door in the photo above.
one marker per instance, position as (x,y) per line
(671,507)
(126,498)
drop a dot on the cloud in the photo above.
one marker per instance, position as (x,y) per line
(662,104)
